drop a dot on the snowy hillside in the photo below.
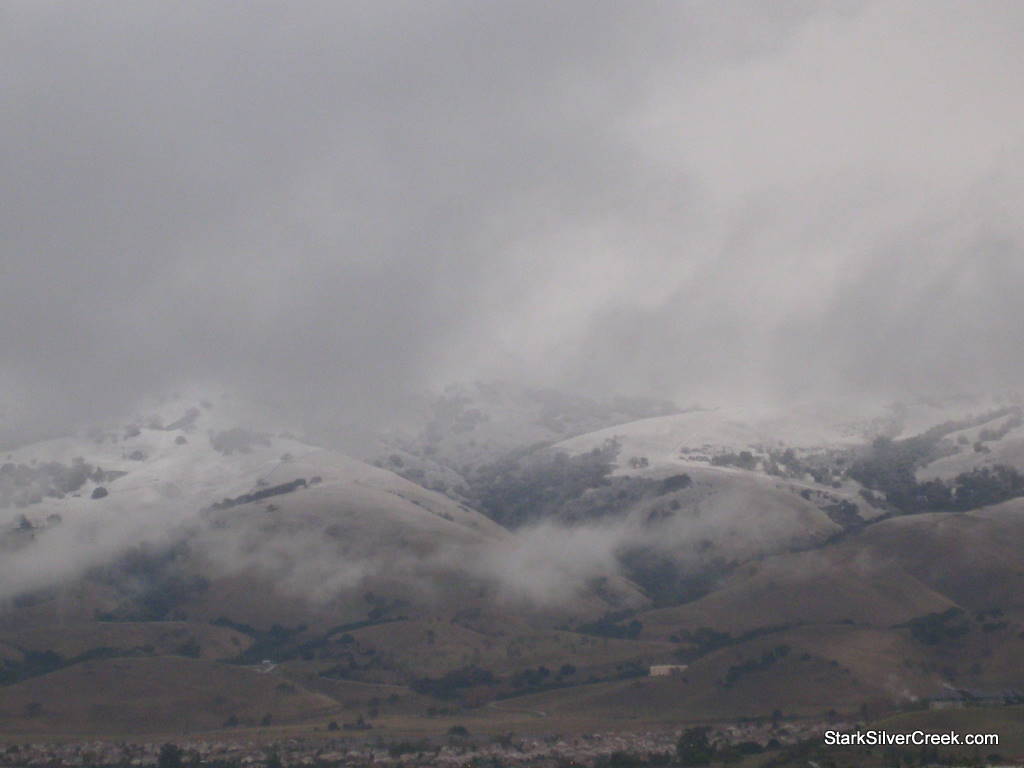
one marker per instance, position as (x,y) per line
(237,506)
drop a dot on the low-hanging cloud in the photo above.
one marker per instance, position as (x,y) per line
(336,205)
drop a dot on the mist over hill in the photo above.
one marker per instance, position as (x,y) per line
(697,204)
(420,378)
(200,528)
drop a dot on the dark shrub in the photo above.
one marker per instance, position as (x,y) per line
(675,483)
(170,756)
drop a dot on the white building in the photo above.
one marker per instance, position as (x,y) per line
(664,670)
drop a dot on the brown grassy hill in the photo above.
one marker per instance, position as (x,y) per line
(70,639)
(804,671)
(811,587)
(806,688)
(892,572)
(733,514)
(974,558)
(360,542)
(432,647)
(354,544)
(325,560)
(358,583)
(167,694)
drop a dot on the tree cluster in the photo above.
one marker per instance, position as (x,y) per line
(528,486)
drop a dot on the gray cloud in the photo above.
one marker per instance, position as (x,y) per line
(334,205)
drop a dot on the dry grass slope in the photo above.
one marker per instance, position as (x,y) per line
(153,695)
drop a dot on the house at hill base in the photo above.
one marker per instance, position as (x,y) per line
(666,670)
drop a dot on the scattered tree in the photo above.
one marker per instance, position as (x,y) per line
(694,748)
(170,756)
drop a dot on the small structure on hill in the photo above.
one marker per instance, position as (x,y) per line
(666,670)
(959,698)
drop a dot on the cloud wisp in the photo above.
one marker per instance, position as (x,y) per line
(338,205)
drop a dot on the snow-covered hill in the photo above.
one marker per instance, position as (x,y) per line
(255,513)
(471,424)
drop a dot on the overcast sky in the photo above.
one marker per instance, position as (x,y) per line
(338,203)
